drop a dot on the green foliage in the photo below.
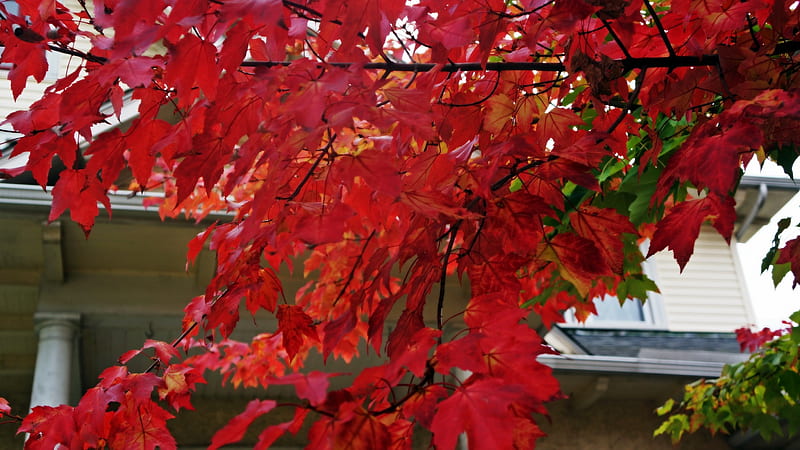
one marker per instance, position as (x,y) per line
(761,394)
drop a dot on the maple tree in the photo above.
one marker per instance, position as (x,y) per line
(527,146)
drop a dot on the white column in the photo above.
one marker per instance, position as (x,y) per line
(51,377)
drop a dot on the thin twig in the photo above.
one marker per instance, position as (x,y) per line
(631,102)
(616,38)
(660,27)
(175,344)
(355,266)
(72,52)
(476,102)
(443,276)
(97,27)
(323,152)
(751,25)
(426,380)
(518,170)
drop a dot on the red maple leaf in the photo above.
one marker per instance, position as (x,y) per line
(140,425)
(681,227)
(605,227)
(179,383)
(5,409)
(363,431)
(790,253)
(80,194)
(236,427)
(273,432)
(578,259)
(49,427)
(312,386)
(192,64)
(296,327)
(479,407)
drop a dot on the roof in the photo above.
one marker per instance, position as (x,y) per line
(692,354)
(632,343)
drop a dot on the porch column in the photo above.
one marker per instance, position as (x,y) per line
(51,377)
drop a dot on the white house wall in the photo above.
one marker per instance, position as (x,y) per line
(710,294)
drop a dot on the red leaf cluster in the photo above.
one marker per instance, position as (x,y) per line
(417,157)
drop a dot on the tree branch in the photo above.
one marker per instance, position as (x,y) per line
(617,39)
(175,344)
(427,379)
(324,152)
(660,27)
(518,170)
(443,276)
(353,270)
(627,63)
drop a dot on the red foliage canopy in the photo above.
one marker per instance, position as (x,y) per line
(525,145)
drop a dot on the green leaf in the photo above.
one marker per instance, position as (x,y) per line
(610,168)
(790,383)
(779,271)
(675,426)
(766,425)
(642,187)
(785,157)
(572,95)
(637,286)
(666,407)
(772,254)
(794,336)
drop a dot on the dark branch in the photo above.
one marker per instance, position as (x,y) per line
(616,38)
(353,270)
(631,102)
(427,379)
(311,171)
(78,53)
(175,344)
(518,170)
(660,27)
(627,63)
(443,276)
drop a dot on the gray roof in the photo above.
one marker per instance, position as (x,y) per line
(653,343)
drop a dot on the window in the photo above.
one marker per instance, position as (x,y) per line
(631,314)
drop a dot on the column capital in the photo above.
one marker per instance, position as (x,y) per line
(48,319)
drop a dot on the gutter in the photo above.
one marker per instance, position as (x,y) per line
(748,220)
(764,184)
(29,195)
(622,364)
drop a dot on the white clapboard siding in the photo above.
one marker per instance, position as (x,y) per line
(32,92)
(59,65)
(710,295)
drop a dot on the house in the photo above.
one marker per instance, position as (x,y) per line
(621,365)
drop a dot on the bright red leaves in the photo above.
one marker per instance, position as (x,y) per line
(296,327)
(392,181)
(680,228)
